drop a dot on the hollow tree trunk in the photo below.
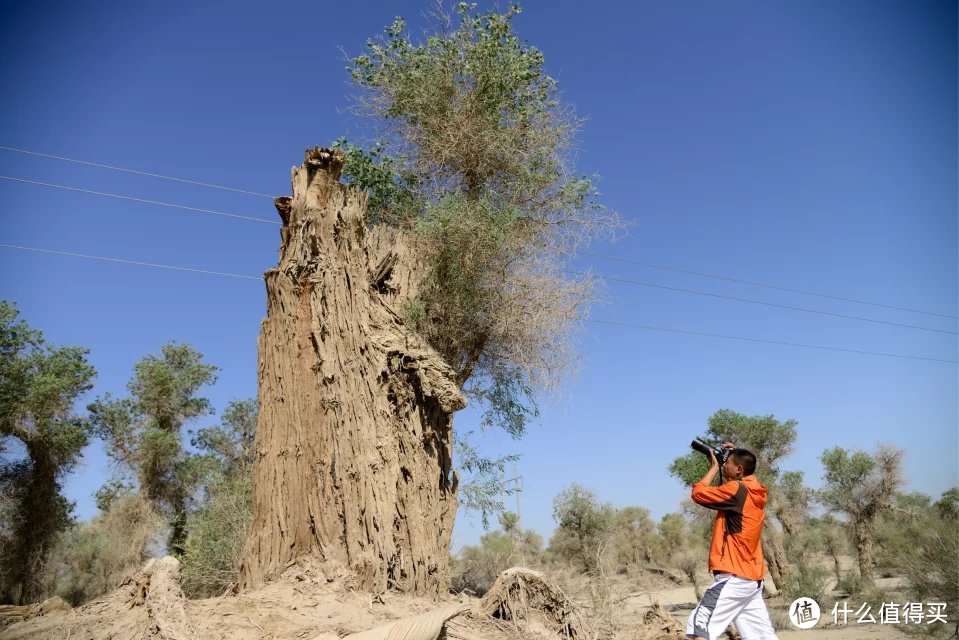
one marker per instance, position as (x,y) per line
(354,440)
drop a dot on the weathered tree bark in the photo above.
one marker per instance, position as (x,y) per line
(863,530)
(354,440)
(775,554)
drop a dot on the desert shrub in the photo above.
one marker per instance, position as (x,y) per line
(216,533)
(806,579)
(780,620)
(852,583)
(95,557)
(919,541)
(930,562)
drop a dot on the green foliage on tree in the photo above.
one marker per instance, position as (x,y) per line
(217,529)
(584,527)
(470,155)
(230,443)
(39,384)
(768,438)
(143,432)
(862,486)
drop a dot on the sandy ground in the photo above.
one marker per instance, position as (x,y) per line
(309,605)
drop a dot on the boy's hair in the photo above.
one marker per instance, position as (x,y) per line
(745,458)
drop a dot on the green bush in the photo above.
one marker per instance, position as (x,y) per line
(216,533)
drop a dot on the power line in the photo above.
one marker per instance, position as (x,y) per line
(119,197)
(778,306)
(141,173)
(767,286)
(622,324)
(142,264)
(593,255)
(779,342)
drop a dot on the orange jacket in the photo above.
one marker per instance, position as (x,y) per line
(735,547)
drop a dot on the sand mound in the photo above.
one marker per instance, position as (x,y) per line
(308,602)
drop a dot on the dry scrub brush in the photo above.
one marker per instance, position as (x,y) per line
(95,557)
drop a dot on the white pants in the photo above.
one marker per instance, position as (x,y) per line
(731,599)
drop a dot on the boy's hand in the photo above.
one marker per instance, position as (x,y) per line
(728,445)
(713,462)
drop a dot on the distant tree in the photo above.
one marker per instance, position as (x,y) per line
(231,442)
(584,525)
(143,432)
(862,486)
(632,531)
(673,532)
(770,440)
(792,501)
(823,535)
(39,384)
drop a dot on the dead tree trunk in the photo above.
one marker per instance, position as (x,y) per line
(354,440)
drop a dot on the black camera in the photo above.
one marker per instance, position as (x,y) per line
(703,448)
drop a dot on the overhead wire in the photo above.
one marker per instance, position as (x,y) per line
(131,198)
(778,306)
(780,342)
(606,322)
(136,262)
(135,171)
(765,285)
(594,255)
(588,254)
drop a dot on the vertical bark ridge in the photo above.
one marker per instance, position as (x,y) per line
(354,439)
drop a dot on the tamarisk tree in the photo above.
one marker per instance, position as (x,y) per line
(433,276)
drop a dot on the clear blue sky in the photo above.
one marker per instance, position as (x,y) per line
(806,144)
